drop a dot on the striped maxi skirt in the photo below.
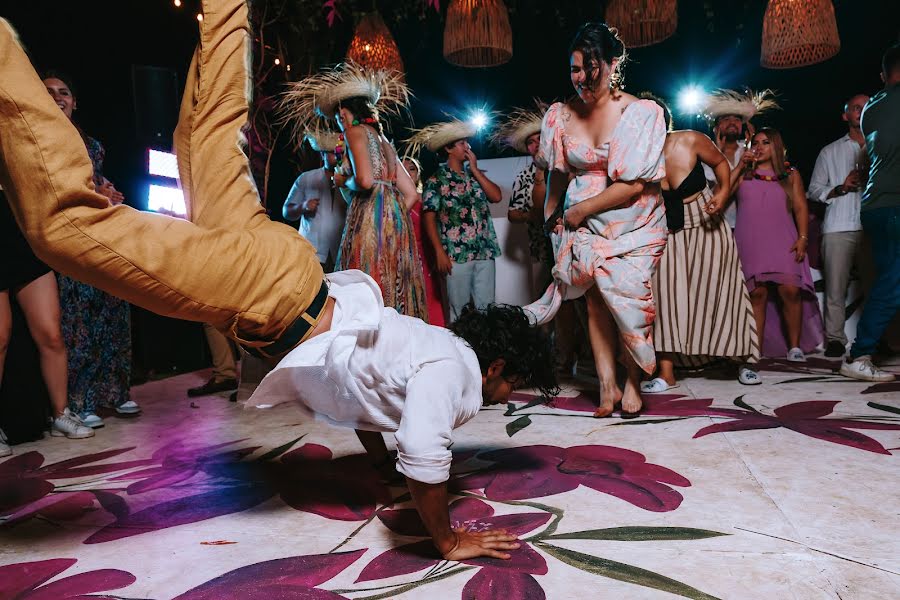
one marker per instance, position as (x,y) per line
(703,308)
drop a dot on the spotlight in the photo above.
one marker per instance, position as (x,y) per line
(177,3)
(690,99)
(479,119)
(277,61)
(167,200)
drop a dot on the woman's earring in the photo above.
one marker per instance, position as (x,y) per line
(615,80)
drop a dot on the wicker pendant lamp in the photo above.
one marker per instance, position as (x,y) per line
(797,33)
(643,22)
(373,46)
(477,33)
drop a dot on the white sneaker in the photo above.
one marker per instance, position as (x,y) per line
(5,450)
(92,421)
(70,426)
(862,368)
(796,355)
(128,408)
(748,376)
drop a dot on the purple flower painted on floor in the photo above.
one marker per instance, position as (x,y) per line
(807,418)
(307,479)
(26,490)
(473,515)
(28,581)
(537,471)
(287,578)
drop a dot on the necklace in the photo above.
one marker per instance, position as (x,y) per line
(778,177)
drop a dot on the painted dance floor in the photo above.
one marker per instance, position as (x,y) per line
(786,490)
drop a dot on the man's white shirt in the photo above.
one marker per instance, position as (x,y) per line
(834,163)
(377,370)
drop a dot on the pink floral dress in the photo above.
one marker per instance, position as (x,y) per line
(618,249)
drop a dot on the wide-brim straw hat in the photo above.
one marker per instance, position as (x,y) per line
(521,124)
(745,105)
(437,135)
(308,101)
(322,141)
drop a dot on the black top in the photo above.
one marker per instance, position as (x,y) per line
(674,199)
(18,264)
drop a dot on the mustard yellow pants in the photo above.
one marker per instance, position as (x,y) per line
(229,265)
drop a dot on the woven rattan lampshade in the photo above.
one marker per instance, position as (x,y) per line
(477,33)
(373,46)
(643,22)
(797,33)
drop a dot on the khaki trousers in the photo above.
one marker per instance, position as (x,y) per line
(223,364)
(230,266)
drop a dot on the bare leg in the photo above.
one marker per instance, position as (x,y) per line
(792,309)
(604,339)
(631,398)
(666,363)
(758,299)
(373,442)
(40,303)
(5,328)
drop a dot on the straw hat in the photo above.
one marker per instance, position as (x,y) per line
(521,124)
(308,101)
(437,135)
(322,141)
(745,105)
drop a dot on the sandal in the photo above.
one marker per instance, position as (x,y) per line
(656,386)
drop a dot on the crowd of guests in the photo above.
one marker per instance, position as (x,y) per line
(671,248)
(83,335)
(661,248)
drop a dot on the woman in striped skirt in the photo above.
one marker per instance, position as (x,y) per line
(703,309)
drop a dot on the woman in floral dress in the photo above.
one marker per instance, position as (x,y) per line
(603,150)
(96,327)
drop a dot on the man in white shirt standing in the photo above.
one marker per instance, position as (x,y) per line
(837,182)
(314,202)
(369,368)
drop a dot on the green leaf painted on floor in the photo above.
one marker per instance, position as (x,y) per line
(638,534)
(276,452)
(517,425)
(739,401)
(884,407)
(648,422)
(622,572)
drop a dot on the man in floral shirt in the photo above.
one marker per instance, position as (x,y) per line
(458,223)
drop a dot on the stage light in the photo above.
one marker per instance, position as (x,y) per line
(479,119)
(167,200)
(162,164)
(288,67)
(200,17)
(690,99)
(277,61)
(177,3)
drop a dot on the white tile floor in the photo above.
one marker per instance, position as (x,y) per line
(802,503)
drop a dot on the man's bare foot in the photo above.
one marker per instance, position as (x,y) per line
(610,395)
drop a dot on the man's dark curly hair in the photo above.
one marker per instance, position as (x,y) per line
(504,331)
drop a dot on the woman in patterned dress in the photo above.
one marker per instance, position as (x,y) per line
(379,238)
(96,326)
(604,153)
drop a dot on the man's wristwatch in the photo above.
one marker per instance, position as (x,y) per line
(839,190)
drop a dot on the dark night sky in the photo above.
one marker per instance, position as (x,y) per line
(98,41)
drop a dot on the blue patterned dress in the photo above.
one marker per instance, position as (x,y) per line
(97,330)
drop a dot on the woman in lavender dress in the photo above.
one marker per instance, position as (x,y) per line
(771,236)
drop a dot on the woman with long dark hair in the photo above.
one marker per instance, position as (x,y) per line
(95,325)
(771,236)
(603,149)
(378,238)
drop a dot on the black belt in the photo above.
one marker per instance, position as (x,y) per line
(296,332)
